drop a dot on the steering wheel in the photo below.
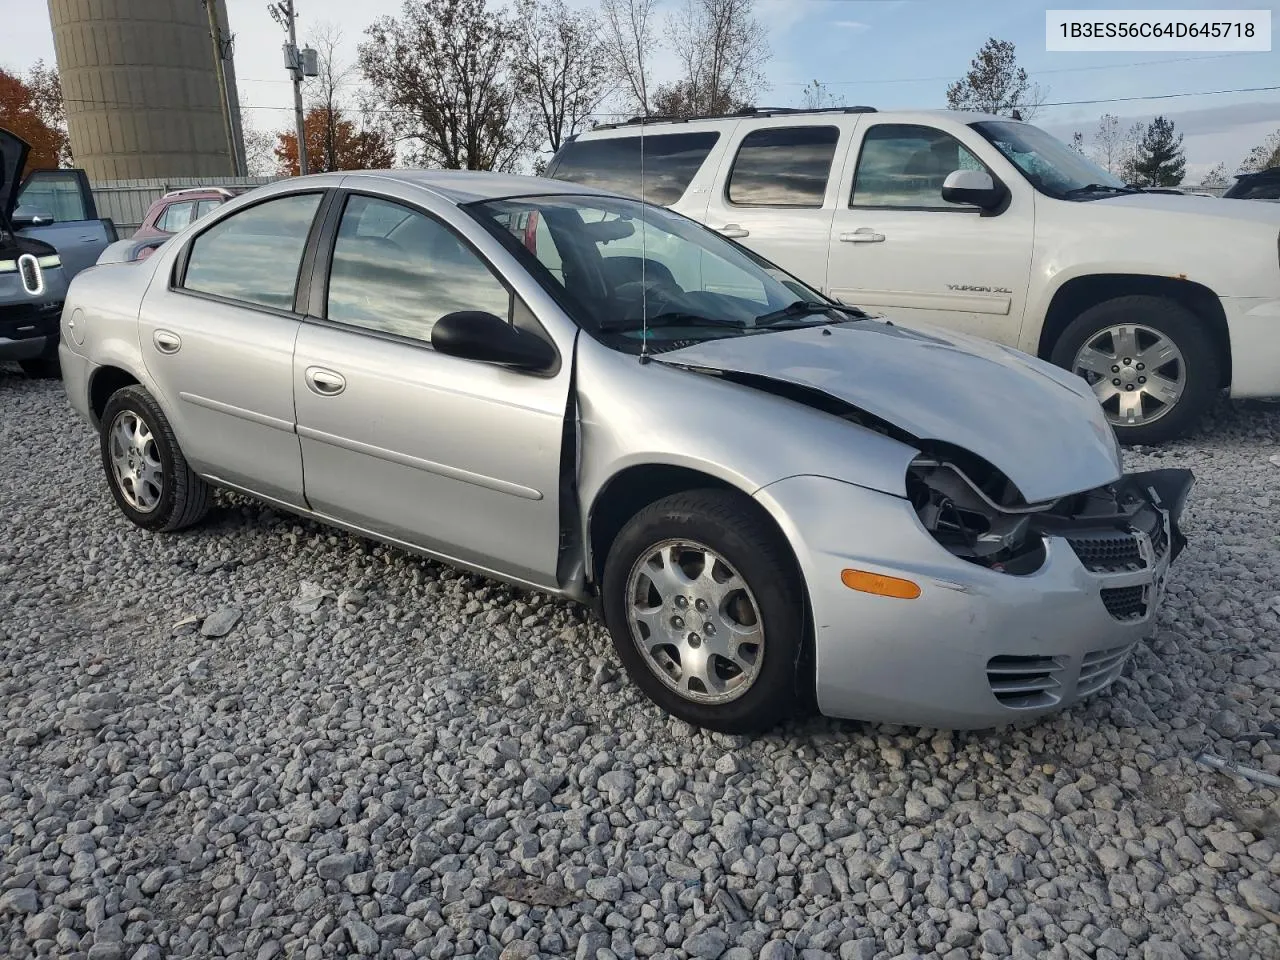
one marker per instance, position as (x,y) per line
(660,295)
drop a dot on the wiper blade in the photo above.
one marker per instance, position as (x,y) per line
(808,308)
(673,318)
(1098,188)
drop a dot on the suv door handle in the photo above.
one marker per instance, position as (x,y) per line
(166,342)
(862,235)
(324,383)
(733,231)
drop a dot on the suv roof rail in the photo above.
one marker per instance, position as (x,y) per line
(736,114)
(222,190)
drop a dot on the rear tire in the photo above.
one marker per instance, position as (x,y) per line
(1170,354)
(710,574)
(148,475)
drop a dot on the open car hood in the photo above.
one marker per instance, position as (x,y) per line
(1040,426)
(13,154)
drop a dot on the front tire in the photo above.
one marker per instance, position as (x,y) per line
(706,610)
(149,477)
(1150,361)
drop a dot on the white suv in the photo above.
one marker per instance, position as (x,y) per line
(987,226)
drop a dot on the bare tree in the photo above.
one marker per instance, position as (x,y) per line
(1264,156)
(325,91)
(996,84)
(259,152)
(626,36)
(1077,142)
(1216,178)
(722,49)
(1108,143)
(558,67)
(817,96)
(441,72)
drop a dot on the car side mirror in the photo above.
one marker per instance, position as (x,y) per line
(974,187)
(476,335)
(29,217)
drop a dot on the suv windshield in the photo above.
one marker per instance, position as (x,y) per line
(622,267)
(1052,167)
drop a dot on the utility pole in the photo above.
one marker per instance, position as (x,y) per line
(299,63)
(215,34)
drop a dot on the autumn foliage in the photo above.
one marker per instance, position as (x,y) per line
(31,107)
(334,143)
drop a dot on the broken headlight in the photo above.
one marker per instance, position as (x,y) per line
(975,512)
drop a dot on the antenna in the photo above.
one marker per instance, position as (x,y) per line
(644,258)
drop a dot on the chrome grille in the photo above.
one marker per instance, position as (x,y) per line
(1126,603)
(1100,668)
(1024,683)
(1108,551)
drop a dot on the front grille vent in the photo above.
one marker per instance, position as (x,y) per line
(1100,668)
(1024,683)
(32,277)
(1107,551)
(1126,603)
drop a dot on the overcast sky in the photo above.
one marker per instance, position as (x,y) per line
(886,53)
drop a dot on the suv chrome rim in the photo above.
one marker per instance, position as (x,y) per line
(1137,373)
(695,622)
(135,461)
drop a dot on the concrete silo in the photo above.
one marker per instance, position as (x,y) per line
(140,81)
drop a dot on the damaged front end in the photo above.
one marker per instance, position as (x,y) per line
(973,511)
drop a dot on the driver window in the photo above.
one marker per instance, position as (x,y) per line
(398,271)
(902,165)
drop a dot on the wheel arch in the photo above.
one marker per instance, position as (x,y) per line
(1080,293)
(103,382)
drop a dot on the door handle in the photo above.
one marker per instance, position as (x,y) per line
(324,383)
(733,231)
(166,342)
(862,235)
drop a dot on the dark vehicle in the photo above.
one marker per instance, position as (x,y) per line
(1263,185)
(49,232)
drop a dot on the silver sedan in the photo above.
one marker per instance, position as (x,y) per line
(773,499)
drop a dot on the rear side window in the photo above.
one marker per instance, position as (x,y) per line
(176,216)
(253,255)
(205,206)
(783,167)
(670,162)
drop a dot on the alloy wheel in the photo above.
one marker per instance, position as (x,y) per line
(1137,373)
(135,461)
(695,622)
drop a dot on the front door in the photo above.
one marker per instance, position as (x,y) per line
(899,249)
(68,217)
(219,345)
(453,456)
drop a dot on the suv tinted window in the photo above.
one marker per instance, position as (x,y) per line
(253,255)
(783,167)
(205,206)
(176,216)
(399,271)
(903,165)
(670,162)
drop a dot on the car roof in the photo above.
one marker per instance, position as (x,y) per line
(782,116)
(469,186)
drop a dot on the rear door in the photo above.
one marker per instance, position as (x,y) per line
(218,341)
(68,215)
(775,191)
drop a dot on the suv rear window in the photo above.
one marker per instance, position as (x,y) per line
(670,162)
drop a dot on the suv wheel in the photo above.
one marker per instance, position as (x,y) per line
(1151,363)
(706,611)
(147,473)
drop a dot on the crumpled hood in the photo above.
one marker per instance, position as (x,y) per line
(13,154)
(1039,425)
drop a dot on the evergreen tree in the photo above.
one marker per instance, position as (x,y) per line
(1158,159)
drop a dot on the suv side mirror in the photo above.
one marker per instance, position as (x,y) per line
(475,335)
(975,187)
(29,217)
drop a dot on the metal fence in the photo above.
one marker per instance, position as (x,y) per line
(126,201)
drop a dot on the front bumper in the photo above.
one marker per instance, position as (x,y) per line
(1253,328)
(29,330)
(977,648)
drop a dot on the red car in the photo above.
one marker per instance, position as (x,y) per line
(178,208)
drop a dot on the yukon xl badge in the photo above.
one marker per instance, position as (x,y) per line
(973,288)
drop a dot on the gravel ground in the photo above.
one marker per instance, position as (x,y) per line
(262,739)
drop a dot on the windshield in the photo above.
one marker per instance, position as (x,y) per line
(1051,166)
(629,271)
